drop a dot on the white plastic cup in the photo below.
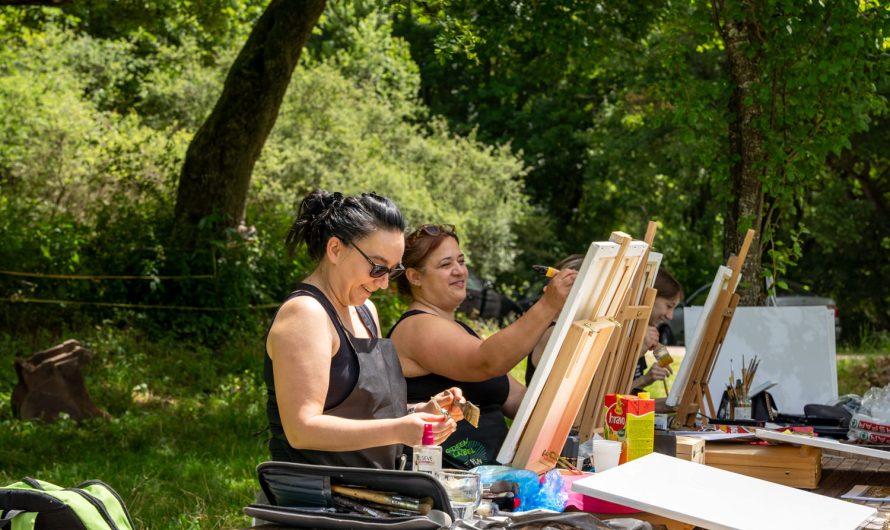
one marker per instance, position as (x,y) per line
(606,454)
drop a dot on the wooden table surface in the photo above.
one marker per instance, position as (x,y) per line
(840,472)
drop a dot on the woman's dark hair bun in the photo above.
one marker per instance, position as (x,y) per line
(323,215)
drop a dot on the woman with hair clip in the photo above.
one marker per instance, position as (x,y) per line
(336,394)
(437,352)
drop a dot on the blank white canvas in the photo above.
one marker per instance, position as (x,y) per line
(713,498)
(795,346)
(721,281)
(824,443)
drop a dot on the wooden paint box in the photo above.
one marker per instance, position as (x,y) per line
(798,467)
(691,449)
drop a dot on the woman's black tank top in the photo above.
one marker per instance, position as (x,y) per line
(467,447)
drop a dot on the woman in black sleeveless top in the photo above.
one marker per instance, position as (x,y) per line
(336,394)
(437,352)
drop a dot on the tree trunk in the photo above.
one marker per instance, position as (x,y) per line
(746,147)
(218,164)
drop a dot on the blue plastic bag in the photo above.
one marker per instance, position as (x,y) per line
(535,492)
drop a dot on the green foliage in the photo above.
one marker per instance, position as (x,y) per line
(532,74)
(349,125)
(628,108)
(93,133)
(212,23)
(856,374)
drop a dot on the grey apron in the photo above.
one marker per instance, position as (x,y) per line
(379,393)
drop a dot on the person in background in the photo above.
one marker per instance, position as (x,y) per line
(436,351)
(670,294)
(336,394)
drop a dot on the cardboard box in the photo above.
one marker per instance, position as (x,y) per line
(798,467)
(691,449)
(630,420)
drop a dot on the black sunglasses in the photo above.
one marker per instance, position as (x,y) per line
(378,270)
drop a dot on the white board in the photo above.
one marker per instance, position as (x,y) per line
(824,443)
(795,346)
(713,498)
(589,285)
(681,382)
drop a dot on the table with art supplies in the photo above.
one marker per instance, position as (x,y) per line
(581,443)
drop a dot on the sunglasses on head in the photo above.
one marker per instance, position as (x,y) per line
(378,270)
(433,230)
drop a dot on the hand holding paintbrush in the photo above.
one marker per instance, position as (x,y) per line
(451,404)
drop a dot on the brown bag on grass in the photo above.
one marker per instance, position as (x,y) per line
(51,382)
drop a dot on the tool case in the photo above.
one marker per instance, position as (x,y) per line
(300,496)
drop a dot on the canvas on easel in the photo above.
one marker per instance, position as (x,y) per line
(572,354)
(690,394)
(615,372)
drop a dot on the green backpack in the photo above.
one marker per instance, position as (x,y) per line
(36,505)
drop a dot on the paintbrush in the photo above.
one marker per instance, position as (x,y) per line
(423,505)
(355,506)
(470,411)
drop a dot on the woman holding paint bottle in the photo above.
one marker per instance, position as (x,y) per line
(336,394)
(669,295)
(437,352)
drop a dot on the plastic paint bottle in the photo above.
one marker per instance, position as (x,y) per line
(427,456)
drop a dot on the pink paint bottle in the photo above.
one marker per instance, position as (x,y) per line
(428,455)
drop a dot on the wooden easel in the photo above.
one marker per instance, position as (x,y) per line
(615,372)
(696,395)
(572,355)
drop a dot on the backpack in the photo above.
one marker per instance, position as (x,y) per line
(36,505)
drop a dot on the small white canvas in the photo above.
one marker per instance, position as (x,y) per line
(681,382)
(716,499)
(795,346)
(824,443)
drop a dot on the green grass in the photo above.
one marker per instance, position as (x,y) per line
(857,373)
(182,446)
(867,341)
(864,363)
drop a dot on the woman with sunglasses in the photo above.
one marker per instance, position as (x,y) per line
(336,394)
(438,352)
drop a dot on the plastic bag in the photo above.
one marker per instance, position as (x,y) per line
(876,403)
(871,423)
(534,493)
